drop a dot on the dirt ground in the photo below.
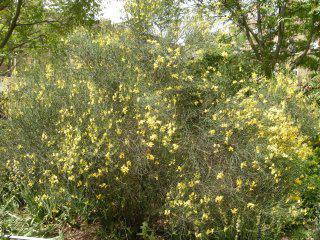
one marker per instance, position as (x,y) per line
(85,232)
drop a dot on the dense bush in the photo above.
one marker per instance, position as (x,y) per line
(86,142)
(3,106)
(243,164)
(128,131)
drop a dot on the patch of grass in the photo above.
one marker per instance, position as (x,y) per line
(17,221)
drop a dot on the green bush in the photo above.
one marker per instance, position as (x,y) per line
(86,140)
(3,106)
(132,133)
(243,165)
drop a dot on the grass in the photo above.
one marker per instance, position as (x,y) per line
(15,220)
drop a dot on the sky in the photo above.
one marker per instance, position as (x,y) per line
(112,9)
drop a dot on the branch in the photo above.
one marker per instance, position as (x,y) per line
(312,32)
(253,46)
(36,23)
(18,46)
(281,29)
(2,8)
(245,23)
(242,21)
(12,25)
(1,61)
(26,42)
(259,20)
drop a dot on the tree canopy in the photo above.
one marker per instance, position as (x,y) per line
(274,32)
(31,23)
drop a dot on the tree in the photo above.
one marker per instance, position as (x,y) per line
(154,18)
(276,30)
(31,23)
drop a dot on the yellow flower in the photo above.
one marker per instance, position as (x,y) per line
(44,136)
(234,211)
(99,196)
(181,186)
(175,146)
(175,76)
(298,181)
(198,235)
(220,175)
(212,132)
(253,185)
(153,137)
(158,62)
(54,179)
(243,165)
(205,216)
(218,199)
(251,205)
(54,210)
(45,197)
(255,165)
(296,198)
(179,169)
(311,187)
(71,178)
(150,157)
(103,185)
(190,78)
(239,183)
(210,231)
(118,131)
(224,54)
(125,168)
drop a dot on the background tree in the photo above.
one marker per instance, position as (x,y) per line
(268,33)
(276,31)
(31,24)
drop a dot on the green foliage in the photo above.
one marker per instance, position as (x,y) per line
(165,126)
(278,32)
(229,184)
(3,106)
(98,142)
(161,17)
(312,87)
(175,140)
(147,233)
(34,24)
(18,221)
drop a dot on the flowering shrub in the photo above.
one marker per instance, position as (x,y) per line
(130,130)
(243,166)
(3,106)
(84,141)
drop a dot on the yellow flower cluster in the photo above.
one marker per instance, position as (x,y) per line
(110,134)
(252,141)
(90,140)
